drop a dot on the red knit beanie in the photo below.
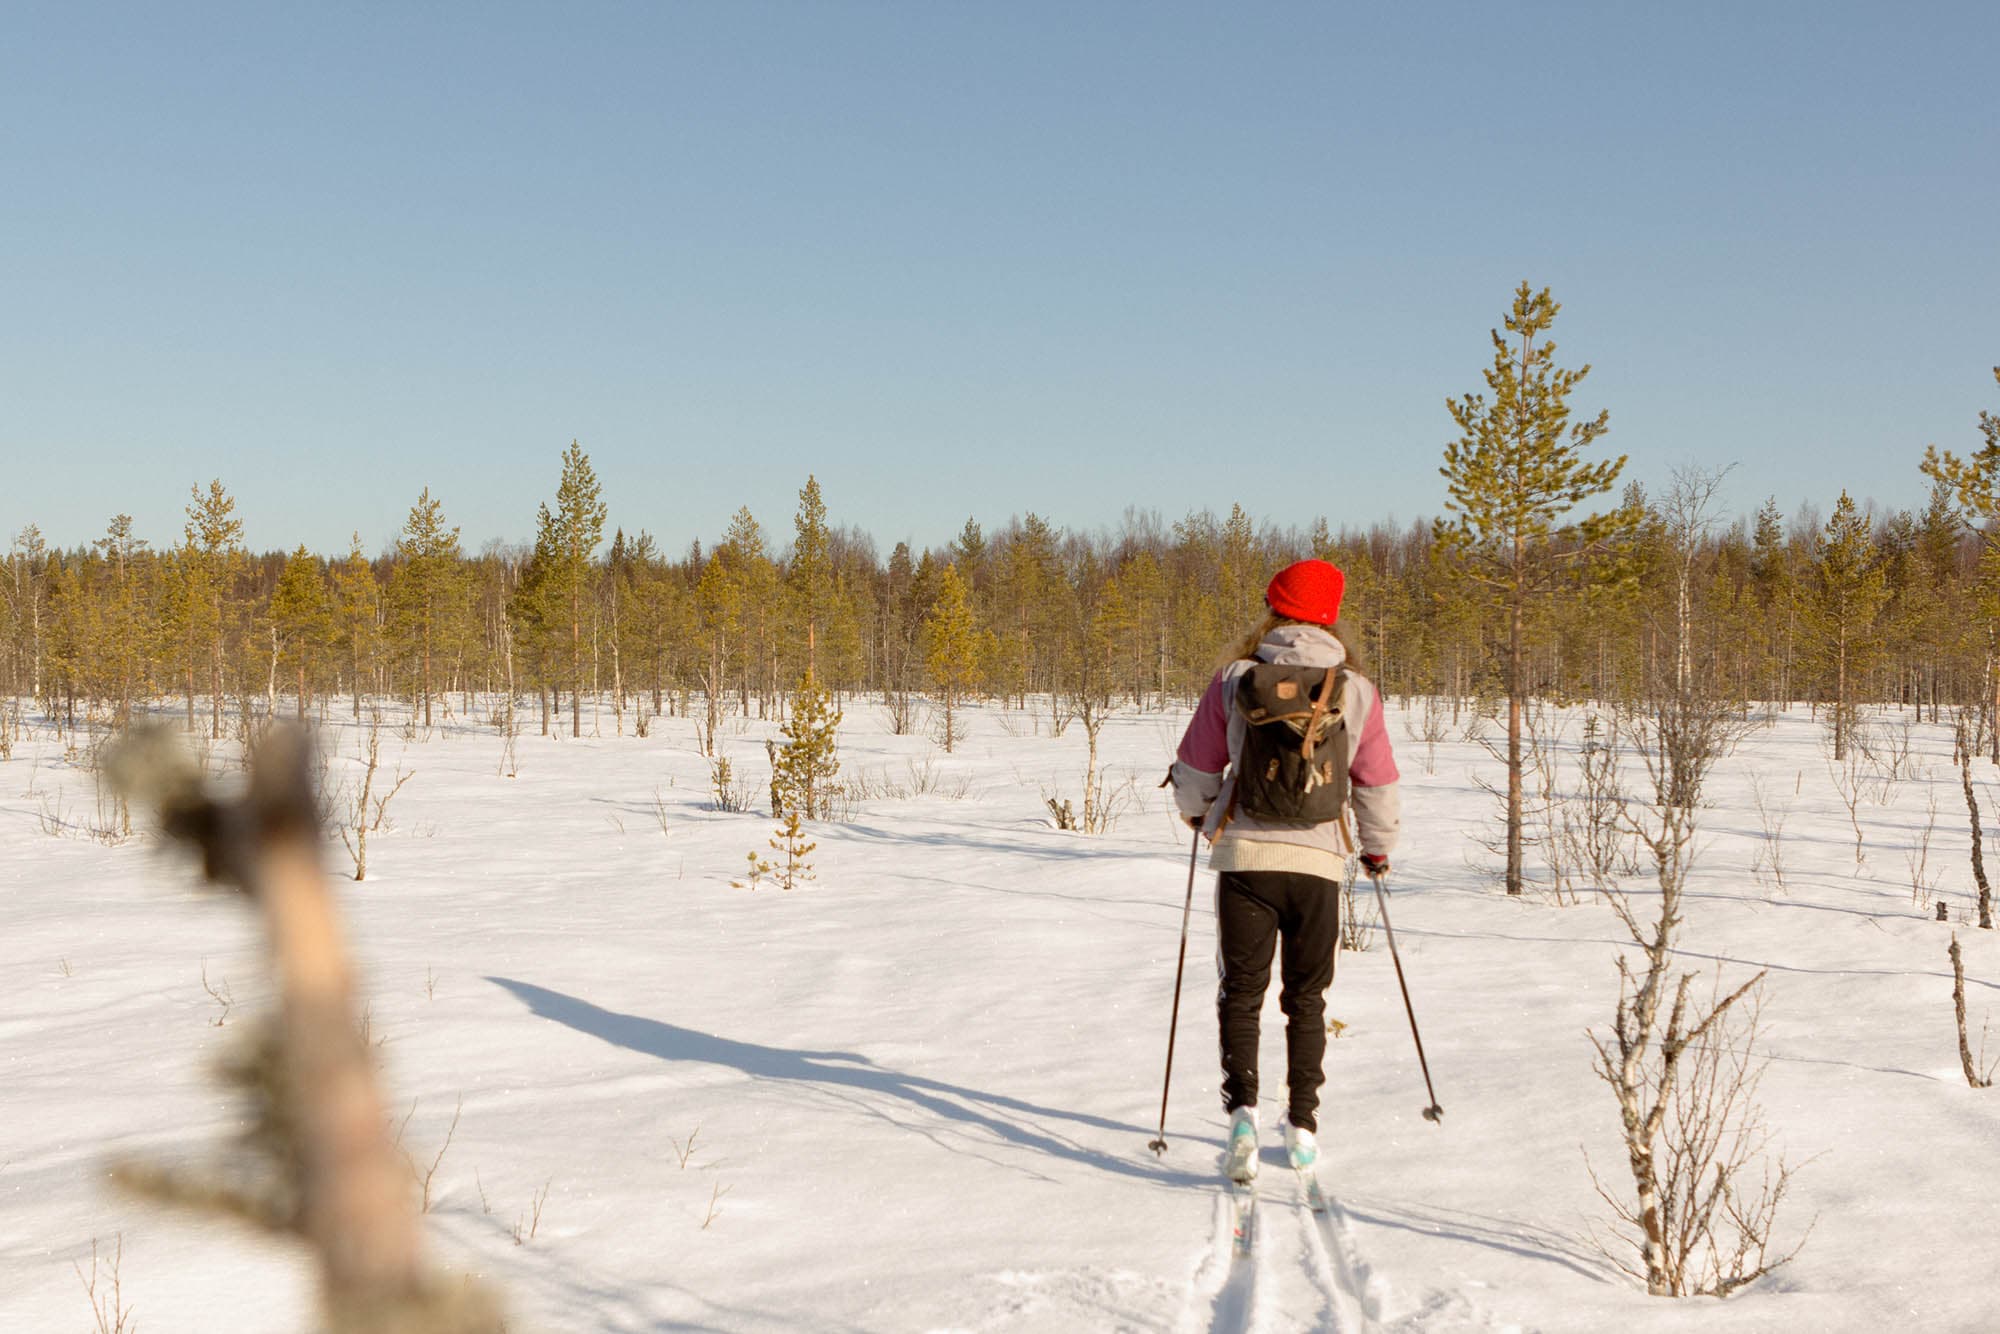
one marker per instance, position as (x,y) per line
(1307,590)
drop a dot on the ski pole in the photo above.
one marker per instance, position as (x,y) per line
(1432,1112)
(1159,1145)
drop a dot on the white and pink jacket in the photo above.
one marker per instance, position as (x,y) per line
(1202,776)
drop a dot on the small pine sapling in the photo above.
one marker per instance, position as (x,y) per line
(803,770)
(792,846)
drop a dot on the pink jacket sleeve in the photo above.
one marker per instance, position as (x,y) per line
(1205,744)
(1374,763)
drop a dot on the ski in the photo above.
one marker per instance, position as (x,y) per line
(1315,1196)
(1243,1201)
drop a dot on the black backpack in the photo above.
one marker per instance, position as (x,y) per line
(1292,769)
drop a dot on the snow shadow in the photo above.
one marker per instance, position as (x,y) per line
(1006,1118)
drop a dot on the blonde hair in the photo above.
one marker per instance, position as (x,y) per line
(1247,647)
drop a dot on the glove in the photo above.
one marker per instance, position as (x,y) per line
(1375,866)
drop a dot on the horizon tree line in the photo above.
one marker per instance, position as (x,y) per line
(1515,595)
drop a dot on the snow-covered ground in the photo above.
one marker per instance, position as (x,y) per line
(916,1093)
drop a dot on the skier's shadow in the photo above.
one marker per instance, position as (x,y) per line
(841,1069)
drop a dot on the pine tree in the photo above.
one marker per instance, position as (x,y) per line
(357,610)
(810,576)
(1847,592)
(121,644)
(968,552)
(300,618)
(1975,481)
(212,555)
(421,590)
(1776,590)
(567,538)
(718,622)
(754,587)
(810,757)
(28,564)
(951,651)
(1515,474)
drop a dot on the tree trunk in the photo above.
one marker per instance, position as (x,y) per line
(1840,696)
(1515,689)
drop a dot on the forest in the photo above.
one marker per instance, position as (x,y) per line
(1828,603)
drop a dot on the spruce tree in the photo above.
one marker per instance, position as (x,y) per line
(1514,475)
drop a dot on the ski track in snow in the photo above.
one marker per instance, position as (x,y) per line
(1300,1273)
(1306,1272)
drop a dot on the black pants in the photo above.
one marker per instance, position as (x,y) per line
(1253,909)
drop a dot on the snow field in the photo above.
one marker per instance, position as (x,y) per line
(920,1087)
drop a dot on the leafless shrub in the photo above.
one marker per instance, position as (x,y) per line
(1064,709)
(1894,749)
(1358,913)
(1542,737)
(1769,857)
(220,996)
(509,724)
(1849,773)
(53,817)
(1718,1194)
(731,793)
(108,1311)
(1685,1079)
(526,1227)
(1923,880)
(367,813)
(1427,723)
(683,1152)
(902,712)
(926,781)
(659,803)
(837,800)
(1102,807)
(424,1176)
(1978,1073)
(714,1205)
(1592,825)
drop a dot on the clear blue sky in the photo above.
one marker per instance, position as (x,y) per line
(964,259)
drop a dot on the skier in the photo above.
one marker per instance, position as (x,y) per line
(1287,740)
